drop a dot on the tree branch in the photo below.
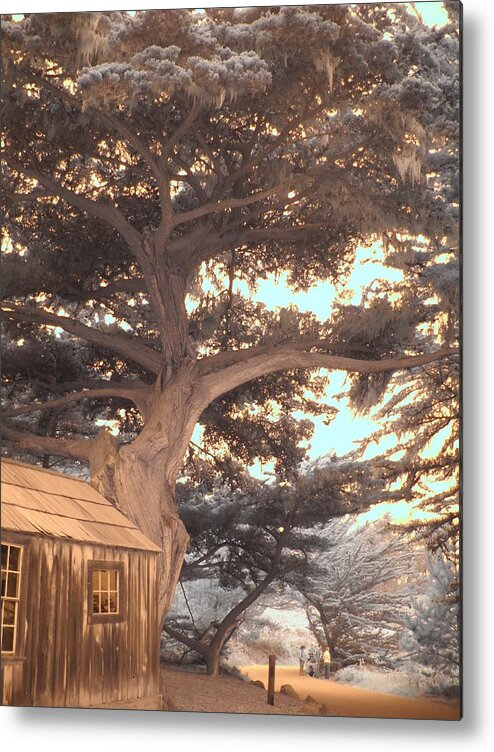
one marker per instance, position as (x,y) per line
(133,394)
(140,147)
(244,604)
(123,345)
(177,134)
(250,365)
(78,449)
(106,212)
(236,203)
(191,642)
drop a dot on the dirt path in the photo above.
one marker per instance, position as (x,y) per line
(191,691)
(343,700)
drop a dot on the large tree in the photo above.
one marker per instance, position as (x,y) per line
(146,154)
(250,540)
(357,590)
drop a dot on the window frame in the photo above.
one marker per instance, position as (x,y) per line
(107,566)
(19,601)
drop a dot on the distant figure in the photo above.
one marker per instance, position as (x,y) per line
(318,662)
(302,659)
(326,659)
(311,662)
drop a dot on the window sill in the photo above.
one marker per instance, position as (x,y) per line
(8,659)
(105,618)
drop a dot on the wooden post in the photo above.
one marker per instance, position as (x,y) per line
(272,663)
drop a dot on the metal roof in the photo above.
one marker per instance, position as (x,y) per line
(39,501)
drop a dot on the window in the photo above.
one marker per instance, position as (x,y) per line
(106,591)
(11,577)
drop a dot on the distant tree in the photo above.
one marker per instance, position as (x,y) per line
(355,591)
(145,155)
(432,634)
(250,540)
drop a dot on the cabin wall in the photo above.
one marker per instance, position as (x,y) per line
(62,659)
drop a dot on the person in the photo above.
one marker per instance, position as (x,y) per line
(326,659)
(311,662)
(302,660)
(317,658)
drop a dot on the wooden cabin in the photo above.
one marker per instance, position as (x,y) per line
(79,621)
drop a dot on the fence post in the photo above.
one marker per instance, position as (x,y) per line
(272,663)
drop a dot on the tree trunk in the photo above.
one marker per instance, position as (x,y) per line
(140,477)
(212,658)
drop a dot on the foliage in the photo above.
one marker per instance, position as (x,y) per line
(323,108)
(432,629)
(247,543)
(355,592)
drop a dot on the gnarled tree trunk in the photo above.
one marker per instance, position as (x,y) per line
(139,478)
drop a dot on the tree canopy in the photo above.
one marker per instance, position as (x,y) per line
(155,166)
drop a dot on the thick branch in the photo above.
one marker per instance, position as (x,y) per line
(191,642)
(236,203)
(306,343)
(288,357)
(123,345)
(78,449)
(134,394)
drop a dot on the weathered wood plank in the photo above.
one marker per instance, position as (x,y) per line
(154,702)
(7,682)
(61,631)
(69,662)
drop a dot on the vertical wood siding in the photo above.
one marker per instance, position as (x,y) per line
(69,662)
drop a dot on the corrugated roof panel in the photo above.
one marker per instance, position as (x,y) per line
(8,471)
(16,473)
(57,483)
(114,536)
(30,498)
(14,519)
(36,500)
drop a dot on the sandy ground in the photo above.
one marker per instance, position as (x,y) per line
(343,700)
(187,690)
(190,691)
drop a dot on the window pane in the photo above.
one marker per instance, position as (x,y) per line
(4,583)
(105,591)
(5,554)
(12,584)
(104,580)
(14,558)
(9,612)
(96,580)
(7,639)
